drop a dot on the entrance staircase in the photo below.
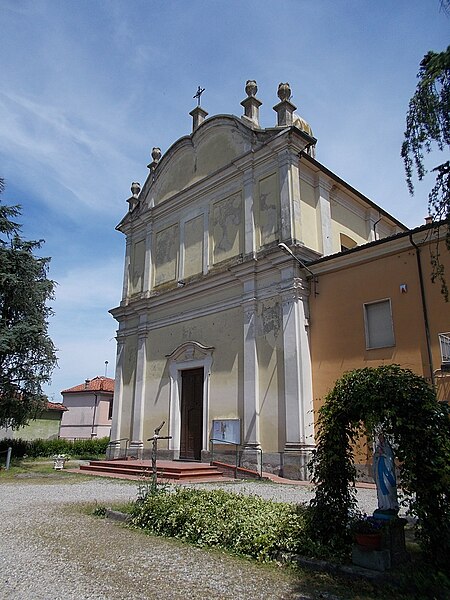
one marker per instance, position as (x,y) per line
(168,470)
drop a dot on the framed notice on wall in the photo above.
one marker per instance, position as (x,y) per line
(226,430)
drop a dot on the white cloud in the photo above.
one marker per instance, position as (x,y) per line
(90,287)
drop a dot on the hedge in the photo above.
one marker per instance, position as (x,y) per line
(245,525)
(36,448)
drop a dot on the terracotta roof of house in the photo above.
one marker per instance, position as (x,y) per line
(98,384)
(56,406)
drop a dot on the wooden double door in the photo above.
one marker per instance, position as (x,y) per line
(191,414)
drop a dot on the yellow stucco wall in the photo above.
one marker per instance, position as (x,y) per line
(165,254)
(337,318)
(309,217)
(137,267)
(192,160)
(193,246)
(226,228)
(348,222)
(223,331)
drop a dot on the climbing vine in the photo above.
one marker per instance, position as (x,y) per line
(405,407)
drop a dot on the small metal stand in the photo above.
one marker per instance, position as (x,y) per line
(154,441)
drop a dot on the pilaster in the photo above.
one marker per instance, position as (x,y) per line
(116,421)
(297,367)
(137,437)
(323,204)
(289,194)
(126,270)
(148,265)
(251,376)
(249,208)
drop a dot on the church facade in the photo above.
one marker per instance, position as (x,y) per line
(214,331)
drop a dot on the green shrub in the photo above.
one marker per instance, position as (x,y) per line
(37,448)
(244,525)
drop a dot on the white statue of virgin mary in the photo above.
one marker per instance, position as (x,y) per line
(384,474)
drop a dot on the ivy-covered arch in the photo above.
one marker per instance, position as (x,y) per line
(405,407)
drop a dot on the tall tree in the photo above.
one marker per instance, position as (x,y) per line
(27,354)
(428,127)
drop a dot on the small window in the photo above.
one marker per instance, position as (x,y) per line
(444,342)
(379,326)
(110,410)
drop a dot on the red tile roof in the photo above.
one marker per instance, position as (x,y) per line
(56,406)
(98,384)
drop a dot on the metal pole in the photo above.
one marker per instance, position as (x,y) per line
(8,457)
(154,440)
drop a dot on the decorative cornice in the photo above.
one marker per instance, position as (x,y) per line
(190,350)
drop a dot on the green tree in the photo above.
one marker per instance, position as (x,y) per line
(27,354)
(405,407)
(428,127)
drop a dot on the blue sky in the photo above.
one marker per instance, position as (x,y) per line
(90,86)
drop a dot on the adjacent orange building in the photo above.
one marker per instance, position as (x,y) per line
(376,304)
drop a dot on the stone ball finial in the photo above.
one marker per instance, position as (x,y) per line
(135,189)
(251,88)
(284,91)
(156,154)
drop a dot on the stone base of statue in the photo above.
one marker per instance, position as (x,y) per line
(392,550)
(375,560)
(394,541)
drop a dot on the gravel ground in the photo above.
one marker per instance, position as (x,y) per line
(51,551)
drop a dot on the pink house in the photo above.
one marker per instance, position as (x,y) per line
(90,409)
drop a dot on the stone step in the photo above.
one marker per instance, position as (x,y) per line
(172,470)
(241,472)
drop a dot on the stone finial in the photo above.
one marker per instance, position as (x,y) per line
(133,200)
(135,189)
(156,155)
(284,91)
(251,104)
(284,109)
(198,116)
(251,88)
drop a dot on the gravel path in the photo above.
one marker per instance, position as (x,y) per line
(51,551)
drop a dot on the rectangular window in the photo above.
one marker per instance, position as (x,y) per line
(110,411)
(444,342)
(378,323)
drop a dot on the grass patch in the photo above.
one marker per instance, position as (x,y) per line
(37,469)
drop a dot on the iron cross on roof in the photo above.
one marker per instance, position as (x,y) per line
(198,94)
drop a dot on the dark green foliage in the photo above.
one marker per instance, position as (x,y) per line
(428,123)
(244,525)
(405,407)
(27,354)
(100,511)
(37,448)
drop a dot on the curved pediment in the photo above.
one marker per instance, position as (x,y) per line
(217,142)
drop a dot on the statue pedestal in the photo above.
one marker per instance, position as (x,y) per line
(376,560)
(394,541)
(392,552)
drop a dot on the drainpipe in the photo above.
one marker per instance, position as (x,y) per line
(424,308)
(375,227)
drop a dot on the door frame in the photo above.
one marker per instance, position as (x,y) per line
(187,356)
(191,390)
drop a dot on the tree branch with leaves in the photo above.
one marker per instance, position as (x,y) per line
(27,354)
(428,128)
